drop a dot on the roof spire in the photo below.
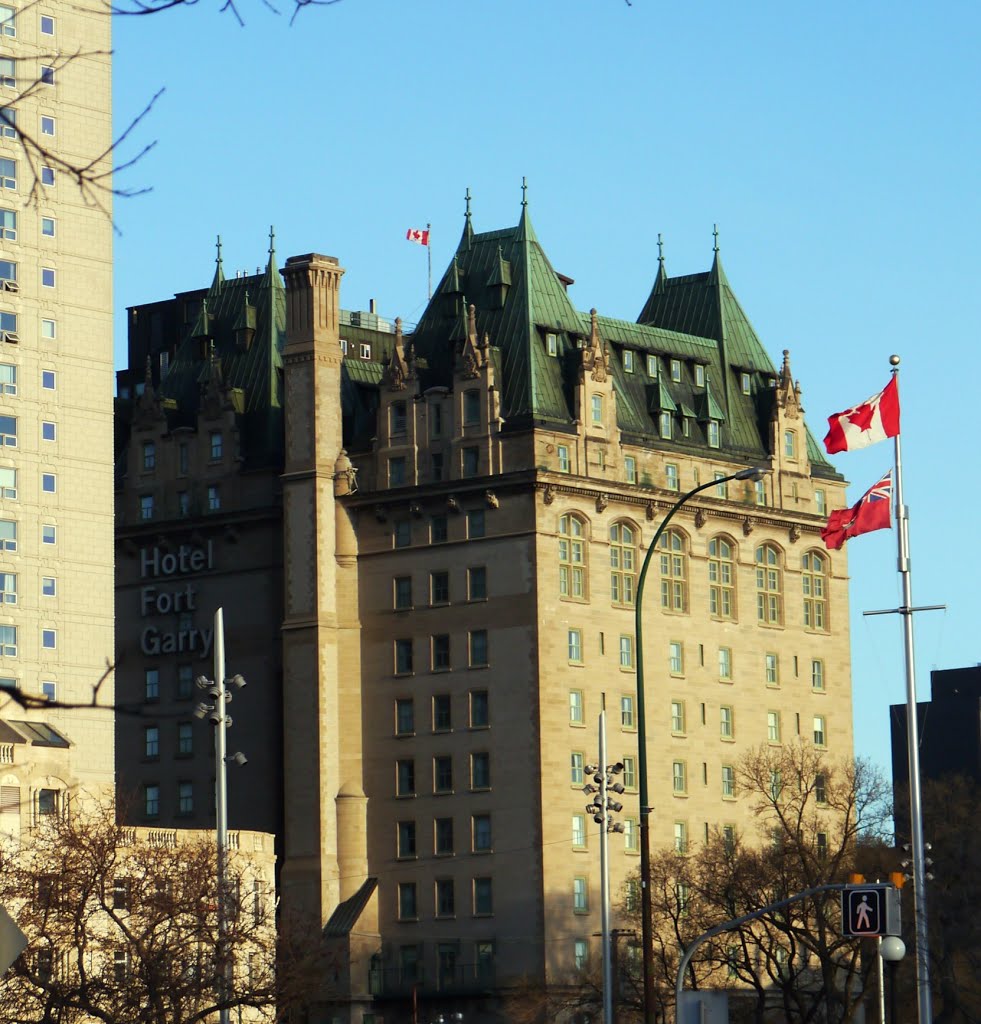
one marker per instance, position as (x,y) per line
(715,238)
(272,277)
(219,277)
(272,242)
(524,190)
(467,226)
(660,249)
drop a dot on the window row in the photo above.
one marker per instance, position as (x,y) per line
(398,414)
(216,451)
(480,898)
(184,688)
(673,564)
(8,534)
(442,774)
(727,781)
(183,741)
(449,971)
(184,794)
(577,710)
(8,22)
(10,333)
(47,688)
(438,591)
(478,655)
(9,583)
(443,837)
(727,725)
(9,482)
(468,466)
(8,218)
(9,641)
(9,280)
(437,530)
(441,713)
(185,506)
(631,833)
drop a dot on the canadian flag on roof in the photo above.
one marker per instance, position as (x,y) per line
(418,235)
(870,513)
(870,421)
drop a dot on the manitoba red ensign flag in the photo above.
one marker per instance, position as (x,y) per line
(873,420)
(419,235)
(871,513)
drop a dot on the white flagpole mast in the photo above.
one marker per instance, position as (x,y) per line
(429,256)
(906,610)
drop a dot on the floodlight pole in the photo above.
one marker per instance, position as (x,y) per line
(221,814)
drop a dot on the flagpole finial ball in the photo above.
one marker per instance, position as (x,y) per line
(894,360)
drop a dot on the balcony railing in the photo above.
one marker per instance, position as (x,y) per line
(460,979)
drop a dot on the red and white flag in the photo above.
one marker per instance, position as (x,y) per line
(871,421)
(418,235)
(871,513)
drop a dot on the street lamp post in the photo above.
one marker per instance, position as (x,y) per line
(217,714)
(647,923)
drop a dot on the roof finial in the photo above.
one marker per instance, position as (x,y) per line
(467,197)
(524,191)
(660,249)
(715,237)
(272,240)
(218,247)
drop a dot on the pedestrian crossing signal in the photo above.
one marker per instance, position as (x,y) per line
(866,913)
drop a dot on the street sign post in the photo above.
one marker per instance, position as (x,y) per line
(868,911)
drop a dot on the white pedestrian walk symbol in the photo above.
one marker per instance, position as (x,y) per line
(862,919)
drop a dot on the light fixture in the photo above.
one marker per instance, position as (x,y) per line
(589,788)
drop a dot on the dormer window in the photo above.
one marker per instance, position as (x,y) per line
(699,375)
(628,361)
(665,424)
(685,427)
(597,408)
(745,381)
(652,367)
(365,350)
(344,346)
(552,344)
(790,444)
(713,433)
(676,370)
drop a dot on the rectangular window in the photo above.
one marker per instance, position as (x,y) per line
(405,777)
(483,897)
(773,726)
(439,588)
(151,684)
(396,471)
(217,445)
(713,433)
(579,831)
(49,639)
(49,431)
(471,408)
(480,770)
(726,730)
(185,739)
(438,530)
(47,76)
(680,837)
(672,477)
(631,835)
(552,344)
(471,461)
(49,689)
(8,379)
(436,464)
(817,674)
(397,417)
(445,898)
(151,800)
(676,370)
(8,124)
(47,175)
(442,713)
(8,483)
(481,833)
(442,774)
(403,657)
(574,646)
(402,533)
(725,663)
(577,765)
(151,741)
(149,455)
(365,350)
(820,501)
(678,717)
(759,491)
(443,836)
(699,375)
(477,583)
(48,277)
(440,652)
(596,407)
(820,735)
(8,225)
(728,780)
(214,498)
(476,524)
(478,648)
(565,465)
(185,682)
(405,839)
(576,713)
(679,777)
(402,587)
(8,73)
(146,506)
(49,330)
(745,382)
(479,709)
(47,25)
(49,483)
(405,717)
(7,26)
(772,670)
(627,719)
(8,535)
(580,954)
(580,895)
(630,469)
(626,652)
(49,586)
(629,773)
(408,909)
(676,658)
(8,431)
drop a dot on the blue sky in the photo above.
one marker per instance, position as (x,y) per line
(837,147)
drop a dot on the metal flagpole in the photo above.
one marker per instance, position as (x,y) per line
(913,745)
(429,256)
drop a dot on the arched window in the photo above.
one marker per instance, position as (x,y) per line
(722,574)
(674,572)
(769,588)
(572,558)
(814,579)
(623,563)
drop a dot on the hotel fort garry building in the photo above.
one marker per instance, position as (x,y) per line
(56,385)
(426,547)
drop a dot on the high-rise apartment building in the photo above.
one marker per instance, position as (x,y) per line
(427,545)
(56,448)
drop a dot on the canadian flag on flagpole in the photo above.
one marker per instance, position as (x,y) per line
(871,513)
(418,235)
(871,421)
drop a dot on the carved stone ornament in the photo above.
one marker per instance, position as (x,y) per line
(381,513)
(549,496)
(491,498)
(416,509)
(452,504)
(345,475)
(794,533)
(602,500)
(700,518)
(748,526)
(650,511)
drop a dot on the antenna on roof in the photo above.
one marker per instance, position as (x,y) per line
(715,236)
(524,191)
(660,249)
